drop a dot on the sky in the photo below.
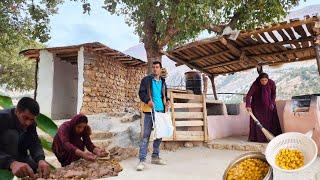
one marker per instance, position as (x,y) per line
(70,26)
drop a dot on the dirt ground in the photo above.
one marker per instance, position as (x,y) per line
(198,163)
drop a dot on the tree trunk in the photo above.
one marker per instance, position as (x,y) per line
(153,54)
(317,49)
(150,41)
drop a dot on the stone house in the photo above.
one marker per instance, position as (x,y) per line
(90,78)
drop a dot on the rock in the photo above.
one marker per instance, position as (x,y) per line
(198,144)
(188,144)
(120,153)
(135,134)
(172,146)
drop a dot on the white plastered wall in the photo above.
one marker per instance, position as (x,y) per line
(80,78)
(45,82)
(65,85)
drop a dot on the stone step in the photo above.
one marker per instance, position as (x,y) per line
(98,142)
(95,135)
(236,143)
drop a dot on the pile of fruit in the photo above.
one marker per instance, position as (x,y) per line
(249,169)
(289,159)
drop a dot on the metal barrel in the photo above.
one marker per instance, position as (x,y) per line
(193,82)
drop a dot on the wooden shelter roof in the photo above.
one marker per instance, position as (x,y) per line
(279,43)
(70,53)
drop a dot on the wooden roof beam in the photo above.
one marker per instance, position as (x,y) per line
(186,63)
(32,56)
(277,43)
(209,56)
(230,46)
(280,26)
(128,62)
(222,64)
(111,53)
(102,48)
(282,52)
(124,59)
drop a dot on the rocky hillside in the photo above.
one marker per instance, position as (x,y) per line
(292,79)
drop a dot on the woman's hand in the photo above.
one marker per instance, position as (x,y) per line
(89,156)
(86,155)
(249,110)
(100,152)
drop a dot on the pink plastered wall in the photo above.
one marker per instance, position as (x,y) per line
(220,126)
(304,121)
(225,125)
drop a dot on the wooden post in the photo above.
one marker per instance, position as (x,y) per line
(173,116)
(260,69)
(317,49)
(36,80)
(213,87)
(205,122)
(205,84)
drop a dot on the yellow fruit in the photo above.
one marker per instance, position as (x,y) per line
(289,159)
(249,169)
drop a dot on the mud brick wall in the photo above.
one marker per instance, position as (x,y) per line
(109,86)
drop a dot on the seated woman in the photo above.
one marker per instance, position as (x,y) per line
(260,100)
(72,137)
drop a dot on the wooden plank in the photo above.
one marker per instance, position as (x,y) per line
(291,34)
(277,44)
(281,26)
(222,64)
(300,31)
(184,62)
(305,44)
(310,29)
(205,123)
(275,39)
(190,136)
(231,47)
(203,50)
(189,123)
(188,105)
(283,52)
(183,55)
(283,35)
(102,48)
(186,96)
(209,56)
(173,115)
(265,38)
(188,115)
(190,133)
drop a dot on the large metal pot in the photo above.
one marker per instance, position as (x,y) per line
(242,157)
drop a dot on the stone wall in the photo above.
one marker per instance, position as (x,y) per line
(109,86)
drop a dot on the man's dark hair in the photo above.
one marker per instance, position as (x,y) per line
(157,62)
(30,104)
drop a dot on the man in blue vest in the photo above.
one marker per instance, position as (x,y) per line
(153,93)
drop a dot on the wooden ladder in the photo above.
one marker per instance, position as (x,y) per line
(189,118)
